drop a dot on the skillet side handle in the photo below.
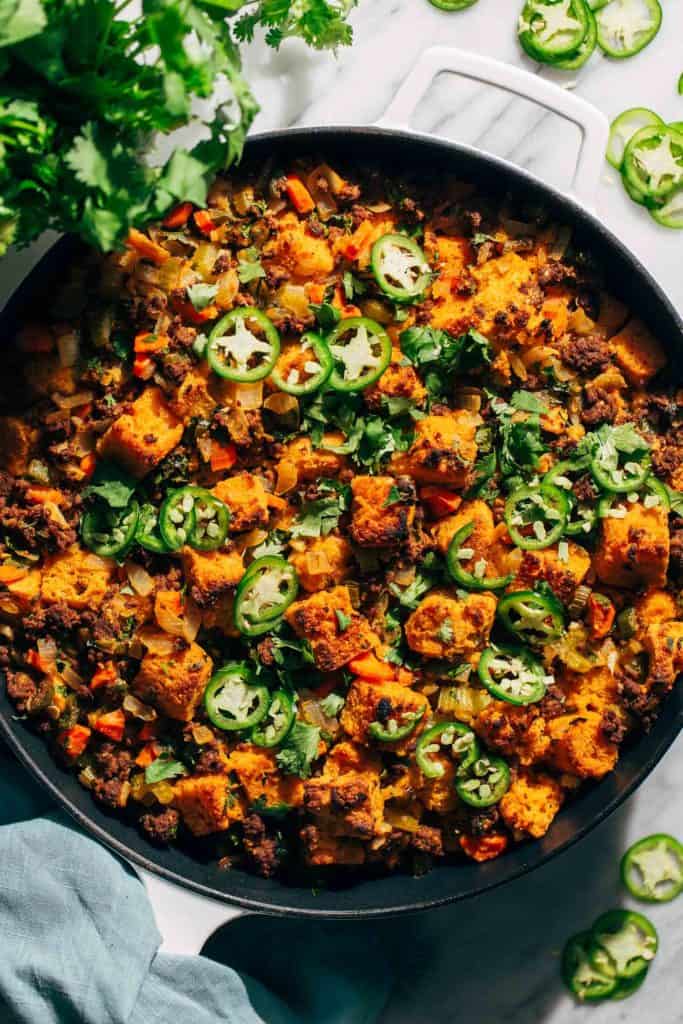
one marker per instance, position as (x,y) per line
(184,918)
(592,123)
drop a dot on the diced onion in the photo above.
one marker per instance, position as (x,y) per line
(404,577)
(139,710)
(293,298)
(192,620)
(201,734)
(204,446)
(561,243)
(68,346)
(71,677)
(139,579)
(248,396)
(400,820)
(156,642)
(71,401)
(287,476)
(167,618)
(251,539)
(47,649)
(518,366)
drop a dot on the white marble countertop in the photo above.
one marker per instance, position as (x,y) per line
(495,959)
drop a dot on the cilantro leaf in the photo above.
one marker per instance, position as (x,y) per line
(299,751)
(440,355)
(527,401)
(343,620)
(320,517)
(393,497)
(261,806)
(112,484)
(163,768)
(201,295)
(332,705)
(327,316)
(249,267)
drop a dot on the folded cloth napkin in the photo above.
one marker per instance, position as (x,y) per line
(79,945)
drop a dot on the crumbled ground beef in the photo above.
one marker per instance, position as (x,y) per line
(261,849)
(28,694)
(613,727)
(676,552)
(667,459)
(54,618)
(34,529)
(161,826)
(598,407)
(585,490)
(209,762)
(587,354)
(428,840)
(112,762)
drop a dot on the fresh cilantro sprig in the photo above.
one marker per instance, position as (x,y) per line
(88,86)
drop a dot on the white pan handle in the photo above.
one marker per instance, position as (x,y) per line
(184,918)
(592,123)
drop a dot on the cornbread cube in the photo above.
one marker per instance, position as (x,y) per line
(635,548)
(513,731)
(300,252)
(664,644)
(656,605)
(321,849)
(637,352)
(174,682)
(221,616)
(16,440)
(323,563)
(377,521)
(481,538)
(579,746)
(314,463)
(397,381)
(207,803)
(247,500)
(347,802)
(442,626)
(139,439)
(77,577)
(437,794)
(443,451)
(563,575)
(315,619)
(18,596)
(192,398)
(210,574)
(596,690)
(531,803)
(377,702)
(262,780)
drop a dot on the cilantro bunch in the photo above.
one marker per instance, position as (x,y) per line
(86,88)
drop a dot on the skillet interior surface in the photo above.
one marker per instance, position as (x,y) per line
(383,896)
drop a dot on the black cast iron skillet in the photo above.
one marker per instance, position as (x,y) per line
(626,278)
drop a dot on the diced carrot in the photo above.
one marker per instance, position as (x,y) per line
(148,731)
(168,602)
(41,495)
(111,724)
(35,338)
(146,342)
(204,221)
(87,464)
(346,309)
(12,573)
(352,247)
(74,740)
(146,248)
(178,216)
(368,666)
(223,456)
(106,675)
(600,615)
(315,292)
(35,661)
(440,501)
(300,198)
(149,753)
(481,848)
(186,310)
(143,367)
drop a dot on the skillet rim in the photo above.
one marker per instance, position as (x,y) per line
(645,753)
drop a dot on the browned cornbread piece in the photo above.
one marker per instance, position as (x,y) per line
(141,437)
(174,682)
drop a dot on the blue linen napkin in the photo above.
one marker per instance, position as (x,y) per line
(79,945)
